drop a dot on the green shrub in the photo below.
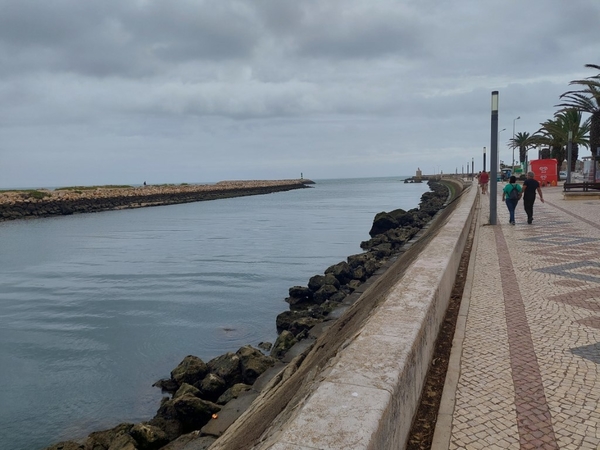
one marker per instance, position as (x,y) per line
(92,188)
(32,193)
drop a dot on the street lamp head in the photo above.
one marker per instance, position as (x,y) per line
(514,120)
(494,101)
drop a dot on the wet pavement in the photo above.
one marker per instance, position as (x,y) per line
(525,370)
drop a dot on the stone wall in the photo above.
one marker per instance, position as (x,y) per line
(358,385)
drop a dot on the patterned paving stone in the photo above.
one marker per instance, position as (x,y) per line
(530,364)
(591,351)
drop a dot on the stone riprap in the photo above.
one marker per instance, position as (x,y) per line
(206,398)
(44,203)
(390,231)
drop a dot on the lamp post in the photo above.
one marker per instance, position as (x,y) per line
(484,159)
(569,147)
(472,168)
(513,147)
(499,165)
(498,162)
(494,159)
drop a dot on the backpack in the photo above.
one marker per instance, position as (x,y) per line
(514,194)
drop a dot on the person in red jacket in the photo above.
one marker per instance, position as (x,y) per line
(484,179)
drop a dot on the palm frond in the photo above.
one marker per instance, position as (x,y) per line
(586,100)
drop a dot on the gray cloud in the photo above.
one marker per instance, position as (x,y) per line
(110,91)
(358,31)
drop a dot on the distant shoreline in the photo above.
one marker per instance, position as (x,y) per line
(27,204)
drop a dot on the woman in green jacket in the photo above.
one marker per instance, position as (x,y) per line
(511,194)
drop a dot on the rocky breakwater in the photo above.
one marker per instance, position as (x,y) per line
(204,399)
(44,203)
(312,304)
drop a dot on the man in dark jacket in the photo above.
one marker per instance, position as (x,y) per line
(530,187)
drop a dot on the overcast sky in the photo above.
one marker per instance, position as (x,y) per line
(126,91)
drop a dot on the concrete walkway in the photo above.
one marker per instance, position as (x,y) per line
(525,368)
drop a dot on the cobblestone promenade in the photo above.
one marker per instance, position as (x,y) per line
(528,339)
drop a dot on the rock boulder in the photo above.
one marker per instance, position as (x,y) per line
(211,387)
(148,437)
(253,363)
(193,412)
(383,221)
(228,367)
(341,271)
(191,370)
(284,342)
(318,281)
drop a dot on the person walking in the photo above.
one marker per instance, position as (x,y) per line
(484,179)
(511,195)
(530,187)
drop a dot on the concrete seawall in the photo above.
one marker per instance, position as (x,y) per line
(42,203)
(364,394)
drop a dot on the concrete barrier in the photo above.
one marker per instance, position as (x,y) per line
(368,394)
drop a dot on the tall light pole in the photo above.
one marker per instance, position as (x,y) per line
(498,162)
(484,159)
(512,164)
(494,159)
(569,156)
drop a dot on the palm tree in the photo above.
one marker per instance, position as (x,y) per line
(523,141)
(555,134)
(570,120)
(552,134)
(587,100)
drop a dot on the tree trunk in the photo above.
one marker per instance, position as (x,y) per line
(574,155)
(558,153)
(595,140)
(595,132)
(522,151)
(545,153)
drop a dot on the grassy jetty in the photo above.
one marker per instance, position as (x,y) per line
(22,204)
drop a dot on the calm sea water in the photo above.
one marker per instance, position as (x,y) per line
(95,308)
